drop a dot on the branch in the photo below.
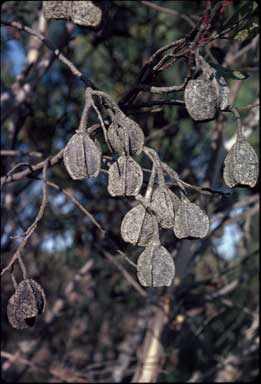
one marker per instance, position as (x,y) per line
(33,168)
(52,47)
(145,72)
(157,102)
(159,90)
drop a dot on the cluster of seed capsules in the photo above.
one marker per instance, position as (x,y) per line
(160,207)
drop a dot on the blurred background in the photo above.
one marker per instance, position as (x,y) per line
(100,325)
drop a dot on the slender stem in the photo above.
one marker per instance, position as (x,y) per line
(159,166)
(102,125)
(85,112)
(240,134)
(23,267)
(13,279)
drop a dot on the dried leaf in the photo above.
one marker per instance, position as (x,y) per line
(140,227)
(125,177)
(162,205)
(82,158)
(84,13)
(155,267)
(27,302)
(116,130)
(241,165)
(201,99)
(190,221)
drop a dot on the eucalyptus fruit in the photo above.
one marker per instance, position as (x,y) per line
(155,267)
(190,220)
(82,158)
(125,177)
(241,164)
(25,304)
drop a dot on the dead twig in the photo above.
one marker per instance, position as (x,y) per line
(75,71)
(126,274)
(17,255)
(169,11)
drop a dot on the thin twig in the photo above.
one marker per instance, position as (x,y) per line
(249,106)
(159,90)
(52,47)
(53,160)
(78,205)
(44,200)
(87,105)
(31,229)
(126,274)
(169,11)
(155,103)
(7,152)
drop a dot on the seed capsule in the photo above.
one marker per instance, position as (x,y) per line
(201,99)
(84,13)
(25,304)
(175,200)
(56,9)
(241,165)
(82,158)
(140,227)
(162,205)
(120,126)
(155,267)
(190,221)
(125,177)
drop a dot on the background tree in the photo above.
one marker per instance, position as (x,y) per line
(100,324)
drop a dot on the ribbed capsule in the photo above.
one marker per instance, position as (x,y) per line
(125,177)
(241,165)
(25,304)
(120,126)
(57,9)
(162,205)
(84,13)
(190,221)
(140,227)
(82,158)
(201,99)
(155,267)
